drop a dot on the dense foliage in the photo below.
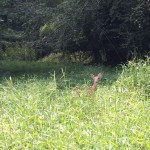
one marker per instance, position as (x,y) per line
(112,30)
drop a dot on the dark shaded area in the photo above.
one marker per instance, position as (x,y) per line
(113,31)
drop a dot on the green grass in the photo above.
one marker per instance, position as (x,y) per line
(38,111)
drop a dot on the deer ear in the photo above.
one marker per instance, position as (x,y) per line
(100,74)
(92,76)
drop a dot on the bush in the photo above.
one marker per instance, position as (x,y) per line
(135,78)
(17,51)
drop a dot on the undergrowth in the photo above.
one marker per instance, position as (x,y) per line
(38,111)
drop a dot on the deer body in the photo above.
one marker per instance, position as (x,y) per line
(90,89)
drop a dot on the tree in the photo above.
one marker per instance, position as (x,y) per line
(140,32)
(22,21)
(110,29)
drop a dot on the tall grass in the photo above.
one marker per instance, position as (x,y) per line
(38,111)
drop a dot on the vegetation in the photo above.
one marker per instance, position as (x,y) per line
(49,48)
(112,31)
(38,110)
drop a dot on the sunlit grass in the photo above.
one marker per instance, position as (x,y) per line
(38,111)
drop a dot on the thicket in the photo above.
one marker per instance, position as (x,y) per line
(110,30)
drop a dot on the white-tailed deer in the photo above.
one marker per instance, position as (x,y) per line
(90,89)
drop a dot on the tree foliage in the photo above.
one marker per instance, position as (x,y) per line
(112,30)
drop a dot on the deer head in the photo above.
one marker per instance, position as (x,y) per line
(95,80)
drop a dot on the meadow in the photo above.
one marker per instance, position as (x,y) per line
(38,110)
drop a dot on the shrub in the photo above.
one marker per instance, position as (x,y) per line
(135,78)
(18,51)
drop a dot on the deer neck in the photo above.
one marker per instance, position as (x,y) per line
(94,87)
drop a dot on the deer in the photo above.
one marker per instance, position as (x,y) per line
(92,88)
